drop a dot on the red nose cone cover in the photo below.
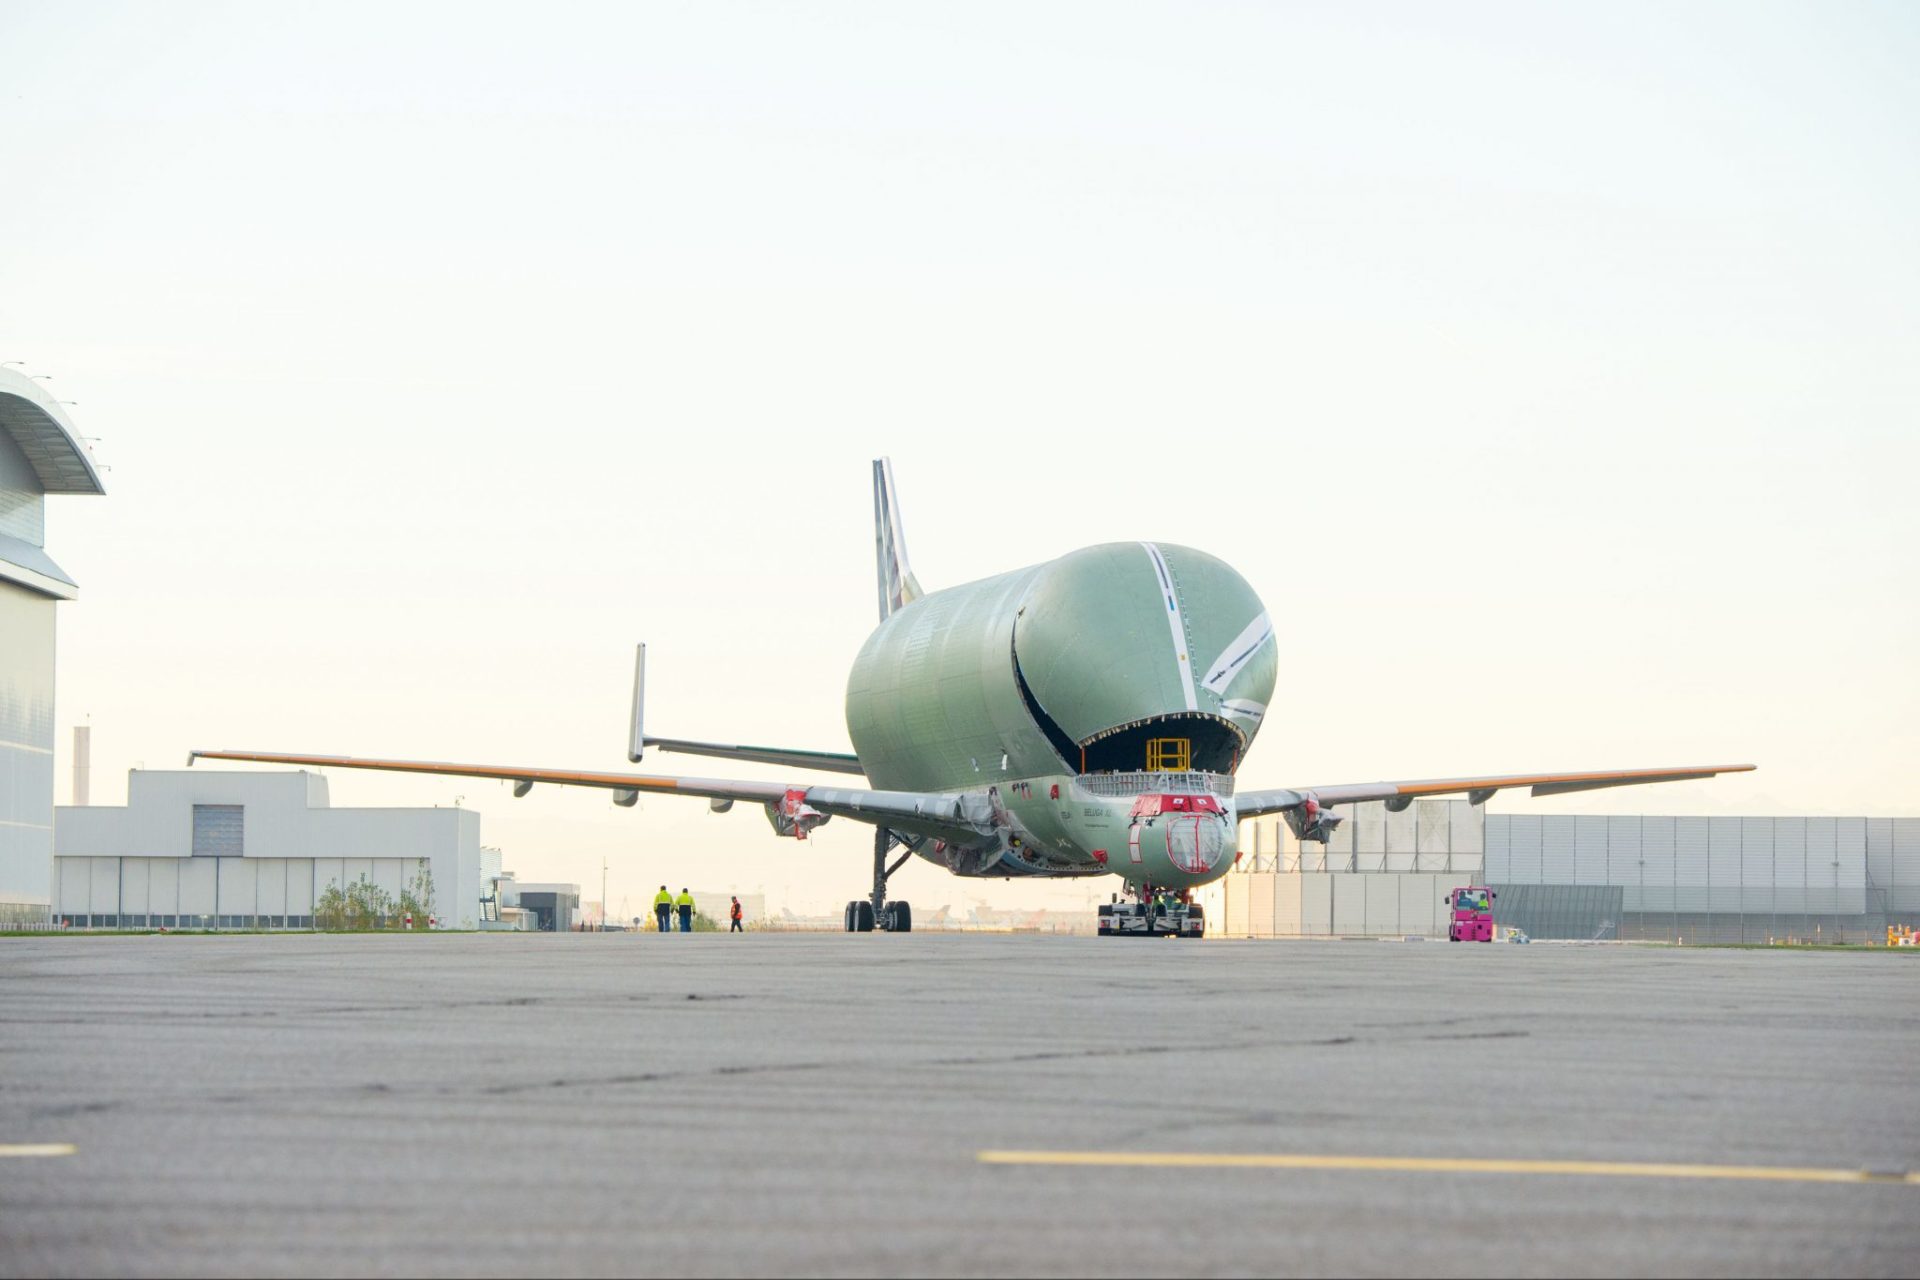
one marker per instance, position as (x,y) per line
(1150,805)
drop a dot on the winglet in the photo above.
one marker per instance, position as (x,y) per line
(636,737)
(898,588)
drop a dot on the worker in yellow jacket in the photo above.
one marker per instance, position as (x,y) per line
(685,903)
(663,910)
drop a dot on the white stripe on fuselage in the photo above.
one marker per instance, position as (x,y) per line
(1176,622)
(1245,708)
(1235,655)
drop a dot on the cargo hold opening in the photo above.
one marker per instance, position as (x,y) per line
(1211,745)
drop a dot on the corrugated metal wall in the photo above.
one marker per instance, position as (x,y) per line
(1428,835)
(26,752)
(1383,875)
(1320,904)
(210,893)
(1713,879)
(22,504)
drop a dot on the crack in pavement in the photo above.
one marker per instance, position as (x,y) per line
(628,1079)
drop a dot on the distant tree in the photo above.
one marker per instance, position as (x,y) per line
(358,908)
(416,899)
(330,912)
(364,906)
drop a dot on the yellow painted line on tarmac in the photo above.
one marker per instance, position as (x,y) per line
(30,1150)
(1406,1164)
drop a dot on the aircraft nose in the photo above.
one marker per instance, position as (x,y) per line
(1190,835)
(1196,843)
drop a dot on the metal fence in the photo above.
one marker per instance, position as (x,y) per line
(1118,786)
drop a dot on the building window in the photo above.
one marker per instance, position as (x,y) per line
(218,830)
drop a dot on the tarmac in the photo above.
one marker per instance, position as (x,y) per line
(832,1104)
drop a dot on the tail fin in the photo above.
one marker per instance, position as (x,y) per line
(898,589)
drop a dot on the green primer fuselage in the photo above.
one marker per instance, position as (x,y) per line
(1040,690)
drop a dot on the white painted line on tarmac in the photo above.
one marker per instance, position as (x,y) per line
(33,1150)
(1404,1164)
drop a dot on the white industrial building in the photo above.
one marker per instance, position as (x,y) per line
(40,453)
(1382,875)
(1627,877)
(208,849)
(1700,879)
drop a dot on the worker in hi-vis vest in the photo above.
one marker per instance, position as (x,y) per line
(685,903)
(663,910)
(733,914)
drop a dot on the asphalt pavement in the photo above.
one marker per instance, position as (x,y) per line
(951,1104)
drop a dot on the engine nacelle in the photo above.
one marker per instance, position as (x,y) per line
(791,815)
(1309,820)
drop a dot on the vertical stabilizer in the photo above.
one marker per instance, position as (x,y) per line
(897,586)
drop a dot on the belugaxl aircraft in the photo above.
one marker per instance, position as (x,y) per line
(1082,717)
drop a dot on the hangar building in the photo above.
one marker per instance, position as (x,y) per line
(205,849)
(1566,876)
(40,453)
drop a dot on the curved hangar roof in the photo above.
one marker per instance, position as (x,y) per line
(36,423)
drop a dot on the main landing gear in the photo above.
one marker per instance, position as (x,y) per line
(1150,913)
(876,912)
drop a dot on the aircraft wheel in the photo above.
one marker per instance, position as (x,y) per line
(899,918)
(862,917)
(846,917)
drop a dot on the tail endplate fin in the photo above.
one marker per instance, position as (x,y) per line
(898,587)
(636,733)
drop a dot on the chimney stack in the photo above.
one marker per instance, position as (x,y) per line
(82,761)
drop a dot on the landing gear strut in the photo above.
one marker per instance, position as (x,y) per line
(876,912)
(1147,912)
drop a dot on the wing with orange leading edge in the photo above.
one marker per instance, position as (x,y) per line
(939,815)
(1398,795)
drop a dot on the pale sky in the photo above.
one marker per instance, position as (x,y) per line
(1550,371)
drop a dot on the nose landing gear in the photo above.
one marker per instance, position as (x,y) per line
(864,916)
(1147,912)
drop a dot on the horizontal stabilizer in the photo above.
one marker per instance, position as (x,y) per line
(793,758)
(638,739)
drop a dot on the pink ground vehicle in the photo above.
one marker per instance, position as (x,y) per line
(1470,914)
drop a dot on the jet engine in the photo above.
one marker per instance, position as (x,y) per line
(1309,820)
(791,815)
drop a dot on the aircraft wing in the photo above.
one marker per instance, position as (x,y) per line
(936,814)
(1251,804)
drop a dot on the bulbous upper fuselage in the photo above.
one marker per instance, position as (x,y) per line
(1064,692)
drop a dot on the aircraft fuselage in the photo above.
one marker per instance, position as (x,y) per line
(1097,706)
